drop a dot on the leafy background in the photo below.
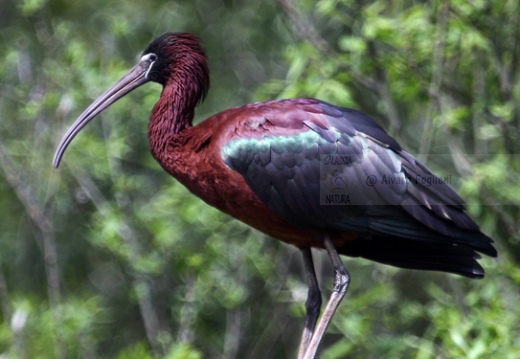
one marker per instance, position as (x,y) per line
(108,257)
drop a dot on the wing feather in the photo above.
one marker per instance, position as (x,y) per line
(286,166)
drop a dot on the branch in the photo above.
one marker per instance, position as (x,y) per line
(18,180)
(5,301)
(304,28)
(435,105)
(140,281)
(383,90)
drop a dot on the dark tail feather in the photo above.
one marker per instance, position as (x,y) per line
(413,254)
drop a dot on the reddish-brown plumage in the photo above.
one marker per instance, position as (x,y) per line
(282,202)
(262,164)
(193,156)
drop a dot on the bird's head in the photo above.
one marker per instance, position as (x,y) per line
(174,52)
(173,58)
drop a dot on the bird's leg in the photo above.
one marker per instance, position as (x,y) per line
(313,303)
(341,282)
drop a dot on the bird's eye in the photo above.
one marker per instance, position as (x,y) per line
(147,62)
(151,57)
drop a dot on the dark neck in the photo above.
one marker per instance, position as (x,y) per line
(170,116)
(185,83)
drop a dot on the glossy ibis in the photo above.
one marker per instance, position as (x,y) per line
(304,171)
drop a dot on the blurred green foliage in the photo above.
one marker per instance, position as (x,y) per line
(110,257)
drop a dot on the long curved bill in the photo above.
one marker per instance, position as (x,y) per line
(135,78)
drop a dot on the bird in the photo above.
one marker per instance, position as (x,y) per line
(303,171)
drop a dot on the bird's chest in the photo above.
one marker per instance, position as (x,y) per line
(201,169)
(206,175)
